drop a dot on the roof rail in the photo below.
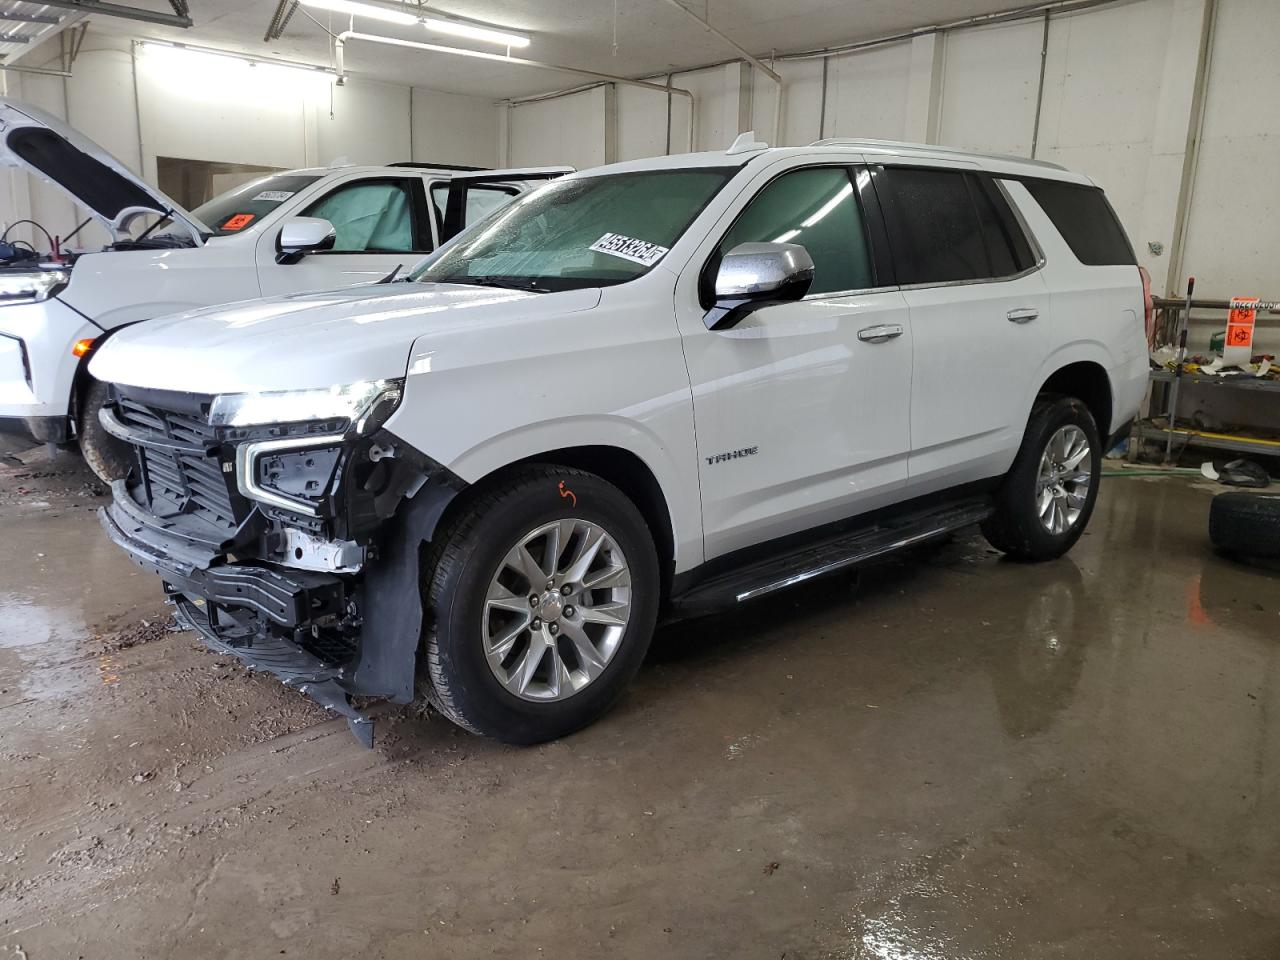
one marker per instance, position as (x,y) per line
(928,147)
(435,166)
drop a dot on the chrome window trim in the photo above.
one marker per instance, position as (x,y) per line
(247,455)
(1034,268)
(861,291)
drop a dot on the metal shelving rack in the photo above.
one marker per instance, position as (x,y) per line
(1166,325)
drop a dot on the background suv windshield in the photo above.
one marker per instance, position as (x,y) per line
(244,206)
(546,240)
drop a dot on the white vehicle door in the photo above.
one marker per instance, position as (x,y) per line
(380,222)
(802,409)
(979,317)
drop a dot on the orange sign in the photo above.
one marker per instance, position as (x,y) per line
(238,222)
(1240,321)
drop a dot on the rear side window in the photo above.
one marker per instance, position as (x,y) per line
(950,225)
(1086,221)
(816,208)
(1006,243)
(934,227)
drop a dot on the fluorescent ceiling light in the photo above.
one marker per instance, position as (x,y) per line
(208,74)
(192,53)
(458,29)
(355,9)
(455,28)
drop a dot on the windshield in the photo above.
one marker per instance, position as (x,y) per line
(588,232)
(244,206)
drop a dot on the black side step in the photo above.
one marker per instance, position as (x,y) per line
(828,556)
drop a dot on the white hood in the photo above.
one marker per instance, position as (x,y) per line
(43,144)
(312,339)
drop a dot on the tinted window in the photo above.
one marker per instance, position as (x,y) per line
(244,206)
(1006,243)
(580,231)
(933,225)
(817,209)
(370,216)
(1086,221)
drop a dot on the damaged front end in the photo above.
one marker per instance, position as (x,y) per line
(292,545)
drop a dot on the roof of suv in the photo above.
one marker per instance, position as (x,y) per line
(390,170)
(880,150)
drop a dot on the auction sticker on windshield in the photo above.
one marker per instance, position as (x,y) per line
(272,196)
(628,248)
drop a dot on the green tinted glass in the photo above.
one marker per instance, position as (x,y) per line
(368,217)
(817,209)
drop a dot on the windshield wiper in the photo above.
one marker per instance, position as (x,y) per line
(530,284)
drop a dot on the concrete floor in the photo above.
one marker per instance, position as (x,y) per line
(957,757)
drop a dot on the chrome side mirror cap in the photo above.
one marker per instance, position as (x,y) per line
(755,275)
(302,235)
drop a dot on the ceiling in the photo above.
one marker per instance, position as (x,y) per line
(652,36)
(27,24)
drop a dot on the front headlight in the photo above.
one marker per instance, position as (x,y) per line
(30,286)
(365,404)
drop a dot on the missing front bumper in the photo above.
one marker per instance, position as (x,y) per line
(271,620)
(287,662)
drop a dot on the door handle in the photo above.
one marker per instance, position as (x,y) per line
(1023,314)
(880,333)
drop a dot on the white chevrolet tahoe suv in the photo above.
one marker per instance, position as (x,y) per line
(284,233)
(644,391)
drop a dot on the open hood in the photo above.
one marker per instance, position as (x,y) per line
(46,146)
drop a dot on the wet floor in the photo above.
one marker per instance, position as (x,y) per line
(955,757)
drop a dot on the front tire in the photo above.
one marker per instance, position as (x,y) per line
(1047,497)
(108,457)
(541,602)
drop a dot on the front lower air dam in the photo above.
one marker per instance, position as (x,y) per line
(292,546)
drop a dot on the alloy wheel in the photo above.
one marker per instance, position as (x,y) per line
(1064,479)
(556,610)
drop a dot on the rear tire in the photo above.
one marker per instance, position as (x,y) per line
(503,654)
(108,457)
(1246,524)
(1047,497)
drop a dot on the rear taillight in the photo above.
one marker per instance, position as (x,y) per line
(1148,308)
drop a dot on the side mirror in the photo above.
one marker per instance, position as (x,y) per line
(302,235)
(755,275)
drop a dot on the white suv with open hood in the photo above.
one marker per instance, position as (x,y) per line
(654,388)
(285,233)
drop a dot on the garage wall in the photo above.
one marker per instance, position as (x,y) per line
(990,81)
(1116,104)
(568,129)
(172,110)
(1234,229)
(867,93)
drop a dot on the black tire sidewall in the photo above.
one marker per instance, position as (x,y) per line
(474,690)
(108,457)
(1018,518)
(1246,524)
